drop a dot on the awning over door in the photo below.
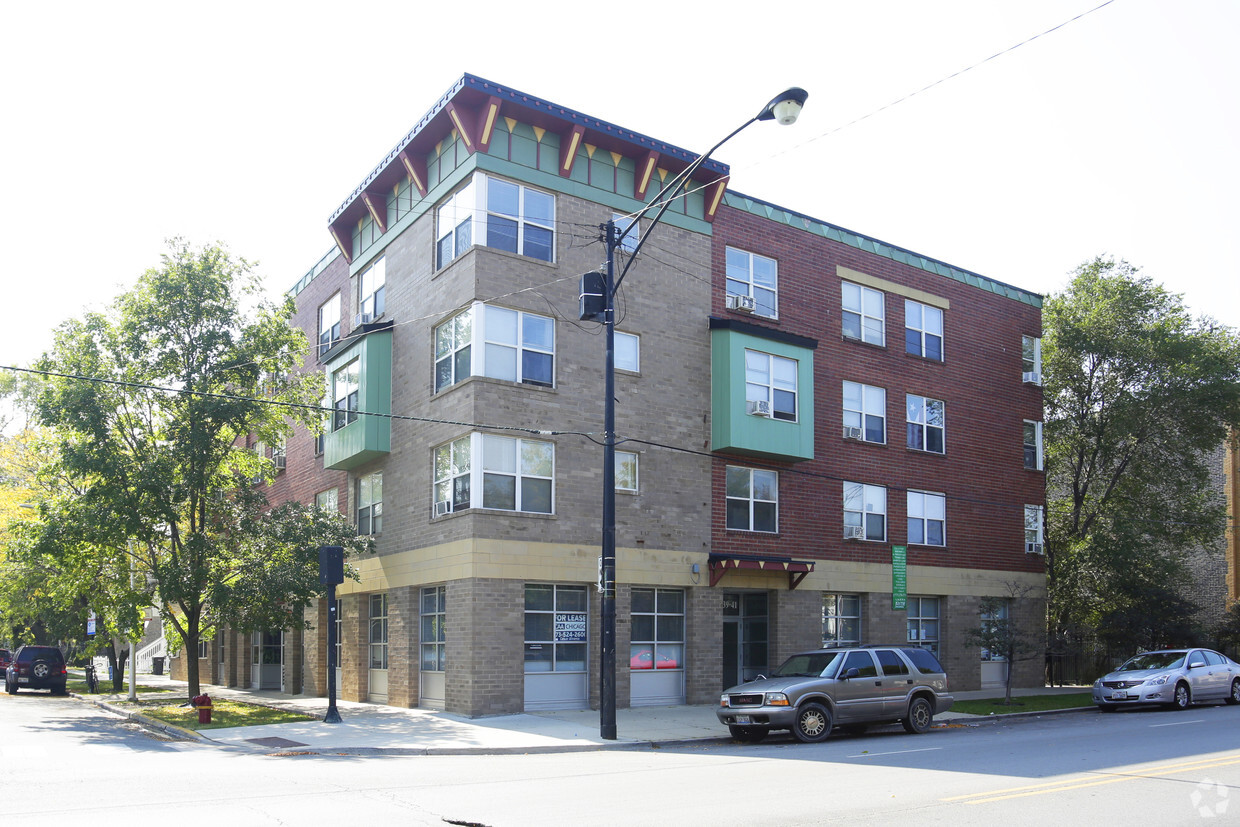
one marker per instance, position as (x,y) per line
(795,569)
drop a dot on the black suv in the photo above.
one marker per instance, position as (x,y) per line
(37,667)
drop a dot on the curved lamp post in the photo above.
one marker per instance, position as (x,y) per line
(784,108)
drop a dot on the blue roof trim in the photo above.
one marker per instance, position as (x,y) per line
(756,206)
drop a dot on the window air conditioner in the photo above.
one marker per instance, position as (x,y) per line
(851,432)
(281,461)
(745,304)
(854,532)
(363,318)
(1033,548)
(443,507)
(759,407)
(1031,377)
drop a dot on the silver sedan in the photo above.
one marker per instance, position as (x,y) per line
(1175,678)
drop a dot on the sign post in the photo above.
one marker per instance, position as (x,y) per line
(331,574)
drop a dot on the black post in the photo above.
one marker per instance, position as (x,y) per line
(333,715)
(607,661)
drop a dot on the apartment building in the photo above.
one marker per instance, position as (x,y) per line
(824,438)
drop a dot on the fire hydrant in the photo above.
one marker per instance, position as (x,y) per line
(203,703)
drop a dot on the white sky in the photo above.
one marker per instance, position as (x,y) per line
(250,122)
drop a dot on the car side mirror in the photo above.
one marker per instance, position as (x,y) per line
(1196,664)
(851,673)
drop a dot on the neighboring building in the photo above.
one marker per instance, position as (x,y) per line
(799,406)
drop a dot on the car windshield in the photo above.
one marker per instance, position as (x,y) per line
(1154,660)
(810,665)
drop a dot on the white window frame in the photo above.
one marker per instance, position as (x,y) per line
(987,621)
(475,341)
(328,500)
(925,510)
(1031,358)
(857,301)
(1032,428)
(565,600)
(924,628)
(772,379)
(1033,524)
(757,276)
(627,471)
(464,465)
(524,219)
(454,223)
(628,354)
(432,629)
(369,512)
(840,613)
(917,319)
(758,490)
(377,633)
(467,217)
(329,324)
(920,413)
(346,392)
(372,289)
(873,405)
(664,615)
(861,502)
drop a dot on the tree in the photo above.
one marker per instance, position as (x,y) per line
(152,404)
(1137,391)
(999,634)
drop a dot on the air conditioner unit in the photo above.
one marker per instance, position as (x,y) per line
(759,407)
(1033,548)
(363,318)
(854,532)
(1032,377)
(852,433)
(443,507)
(281,461)
(745,304)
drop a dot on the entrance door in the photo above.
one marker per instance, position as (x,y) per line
(744,637)
(267,664)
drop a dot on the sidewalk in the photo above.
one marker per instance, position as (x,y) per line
(367,729)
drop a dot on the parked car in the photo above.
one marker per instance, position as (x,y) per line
(1176,678)
(36,667)
(812,692)
(6,657)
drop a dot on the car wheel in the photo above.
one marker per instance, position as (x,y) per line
(748,734)
(812,723)
(11,688)
(920,716)
(1234,697)
(1182,699)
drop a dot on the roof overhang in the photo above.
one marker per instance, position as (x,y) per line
(796,570)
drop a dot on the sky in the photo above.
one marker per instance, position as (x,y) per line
(249,123)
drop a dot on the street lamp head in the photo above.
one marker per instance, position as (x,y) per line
(785,107)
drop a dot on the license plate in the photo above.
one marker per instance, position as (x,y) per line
(23,680)
(1119,696)
(742,719)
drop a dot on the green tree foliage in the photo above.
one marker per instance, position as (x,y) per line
(151,404)
(1137,392)
(999,633)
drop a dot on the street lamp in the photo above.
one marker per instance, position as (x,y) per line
(784,108)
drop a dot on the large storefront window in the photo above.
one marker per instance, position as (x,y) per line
(555,628)
(841,619)
(658,632)
(379,631)
(434,647)
(923,622)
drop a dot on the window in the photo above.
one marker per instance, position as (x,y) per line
(514,345)
(514,475)
(1033,445)
(279,455)
(628,352)
(862,661)
(379,631)
(771,380)
(925,424)
(1033,527)
(203,649)
(863,314)
(371,289)
(454,220)
(1031,359)
(329,324)
(865,511)
(923,330)
(370,504)
(841,620)
(865,412)
(927,516)
(994,620)
(752,499)
(345,394)
(625,222)
(657,639)
(626,471)
(433,632)
(555,628)
(749,274)
(923,622)
(327,500)
(892,663)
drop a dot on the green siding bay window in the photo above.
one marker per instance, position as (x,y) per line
(355,438)
(762,392)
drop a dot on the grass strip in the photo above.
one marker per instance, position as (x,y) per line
(224,714)
(1023,703)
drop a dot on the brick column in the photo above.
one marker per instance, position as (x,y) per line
(403,646)
(703,644)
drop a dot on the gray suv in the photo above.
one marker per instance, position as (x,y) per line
(852,687)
